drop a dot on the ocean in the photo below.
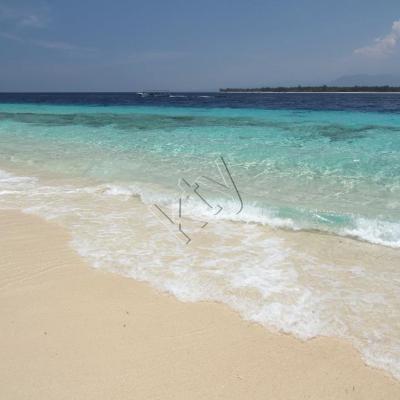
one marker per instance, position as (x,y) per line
(286,207)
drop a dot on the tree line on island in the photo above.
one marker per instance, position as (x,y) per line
(315,89)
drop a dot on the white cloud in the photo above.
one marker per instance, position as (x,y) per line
(20,20)
(382,47)
(21,17)
(32,21)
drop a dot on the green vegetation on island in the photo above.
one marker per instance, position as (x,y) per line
(315,89)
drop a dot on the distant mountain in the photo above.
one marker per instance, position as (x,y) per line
(366,80)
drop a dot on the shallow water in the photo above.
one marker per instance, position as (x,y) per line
(114,174)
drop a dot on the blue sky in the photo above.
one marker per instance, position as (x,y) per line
(124,45)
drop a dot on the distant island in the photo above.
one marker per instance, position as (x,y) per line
(315,89)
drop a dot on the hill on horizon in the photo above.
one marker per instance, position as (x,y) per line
(366,80)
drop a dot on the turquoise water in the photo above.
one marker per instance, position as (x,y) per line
(273,251)
(334,171)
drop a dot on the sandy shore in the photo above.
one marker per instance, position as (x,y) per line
(68,331)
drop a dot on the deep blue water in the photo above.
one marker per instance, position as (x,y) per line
(389,102)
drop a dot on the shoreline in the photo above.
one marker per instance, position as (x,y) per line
(71,331)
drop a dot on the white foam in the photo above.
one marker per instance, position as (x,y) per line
(374,231)
(380,232)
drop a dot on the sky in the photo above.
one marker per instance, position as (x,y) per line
(188,45)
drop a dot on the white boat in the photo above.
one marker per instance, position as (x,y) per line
(154,93)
